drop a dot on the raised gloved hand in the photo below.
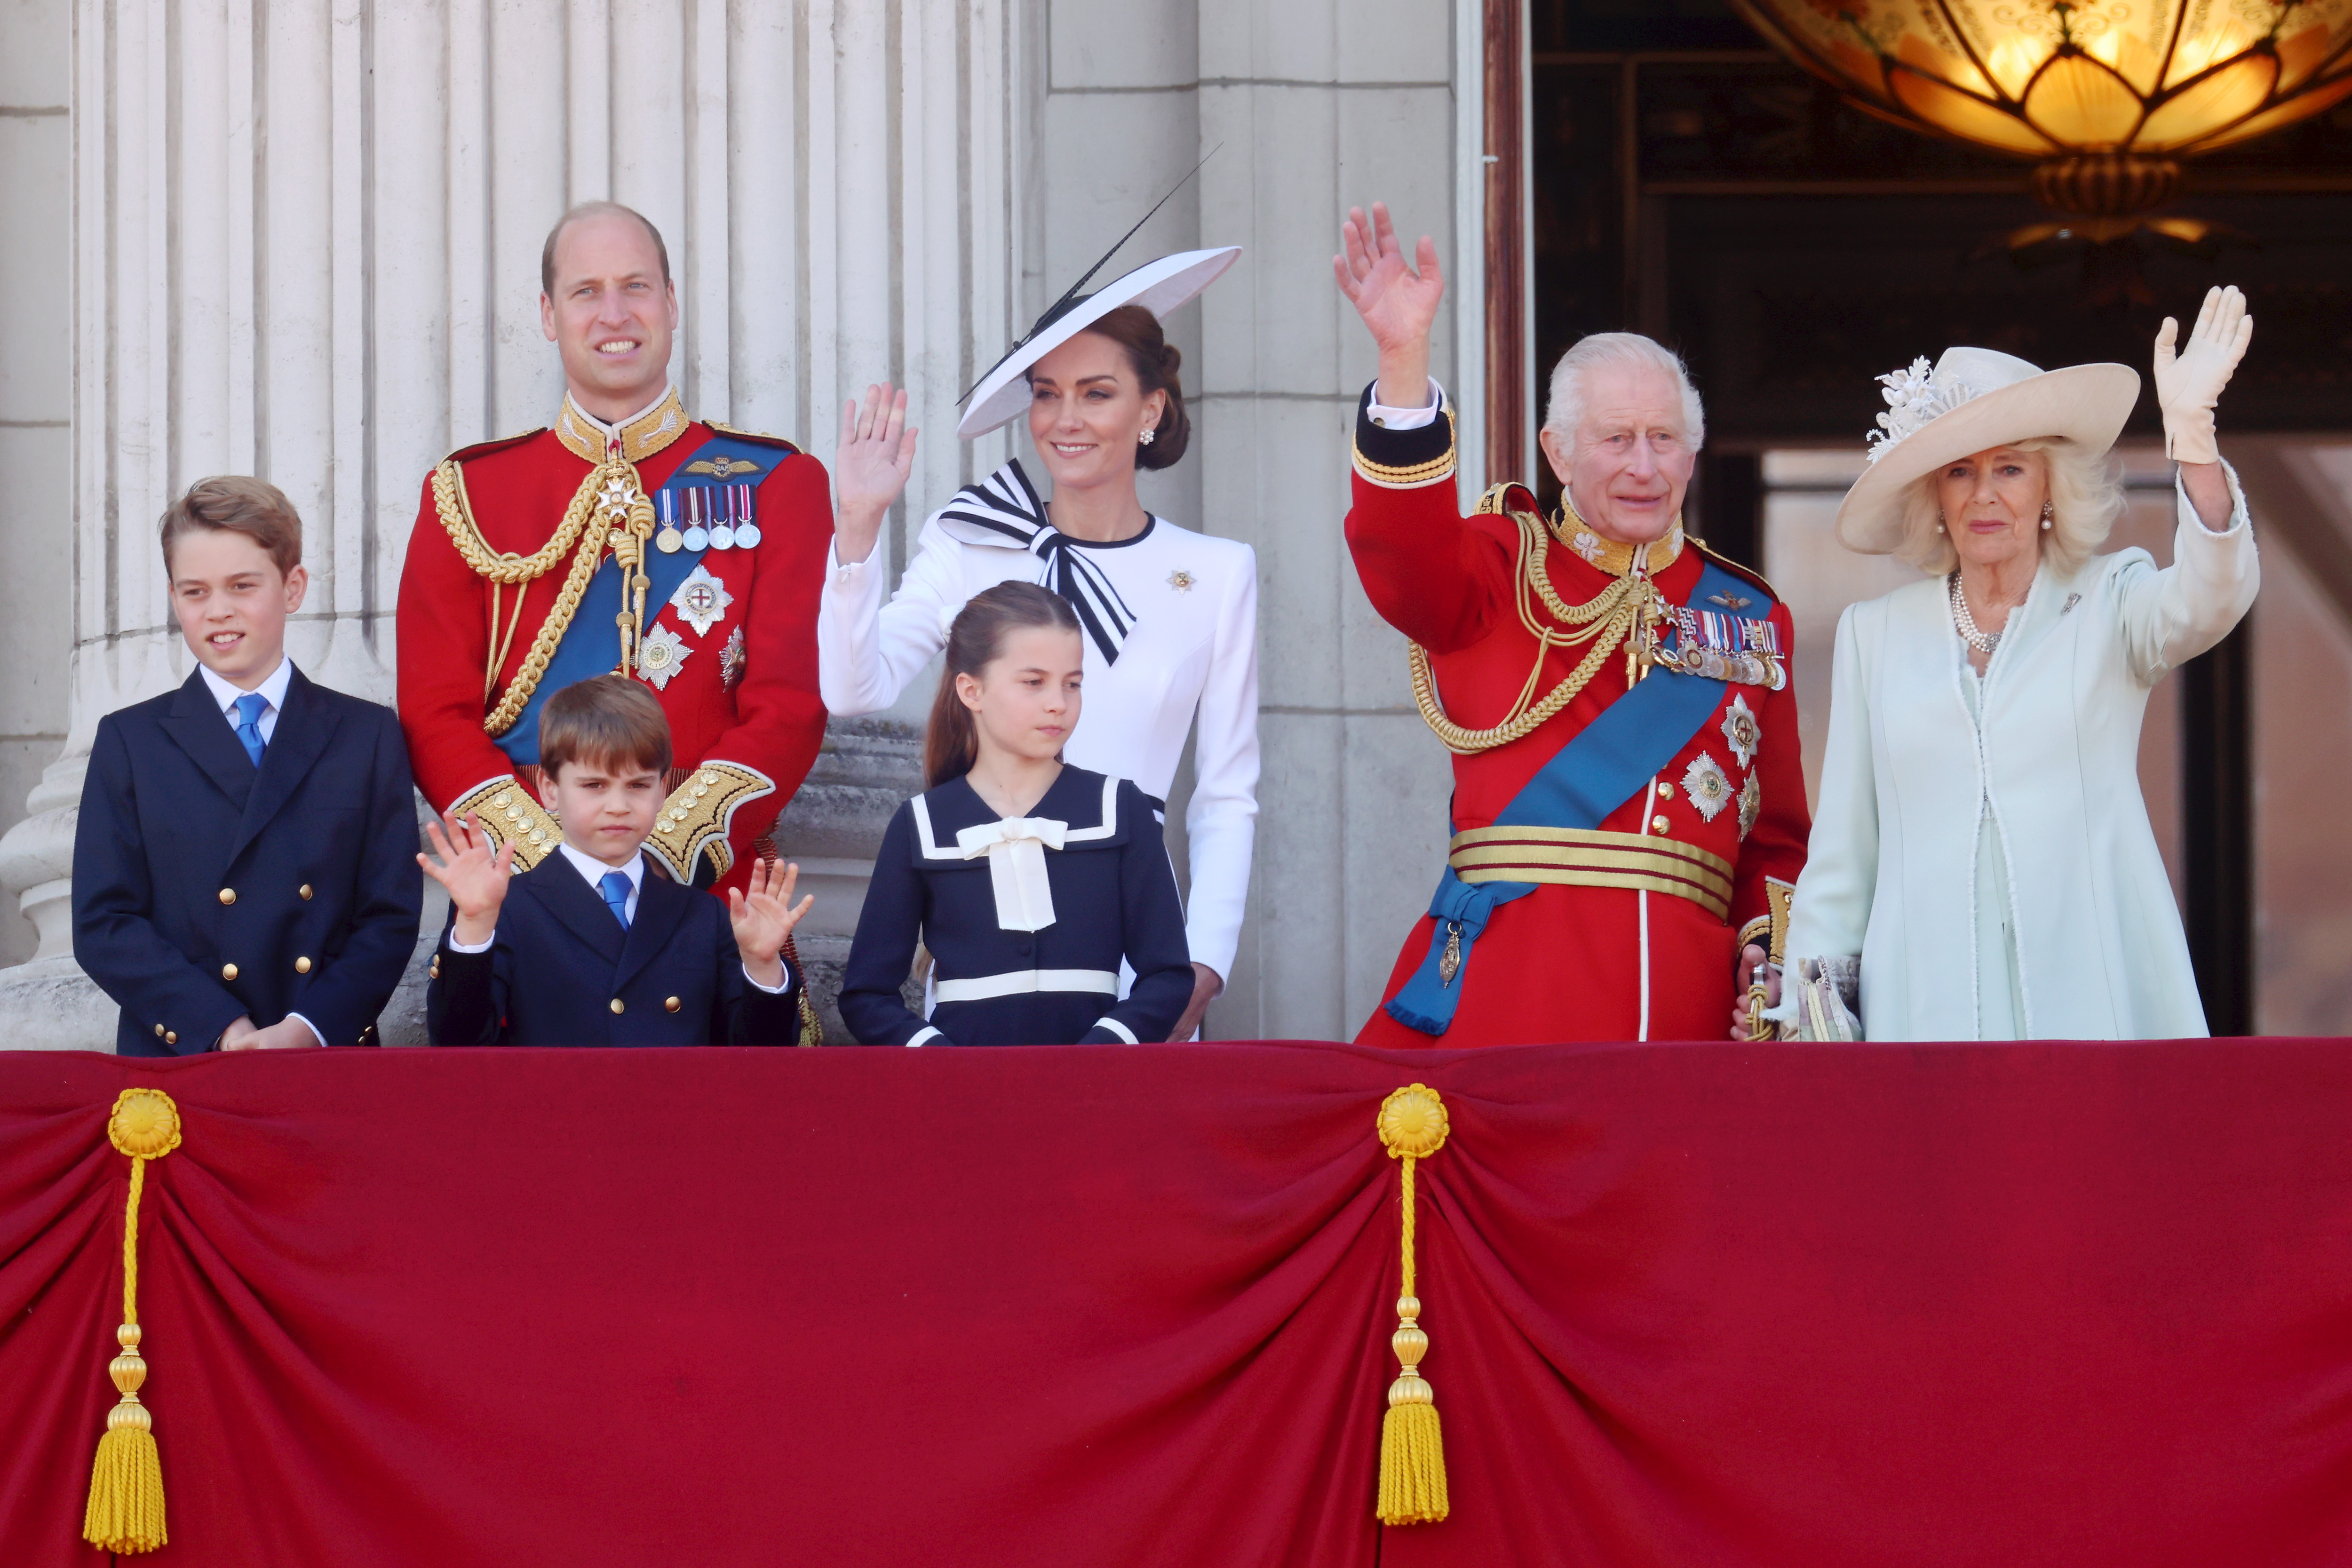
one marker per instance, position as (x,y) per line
(2188,385)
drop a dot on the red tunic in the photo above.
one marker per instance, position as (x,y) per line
(760,710)
(1565,963)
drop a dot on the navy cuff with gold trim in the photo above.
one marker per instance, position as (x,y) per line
(1403,460)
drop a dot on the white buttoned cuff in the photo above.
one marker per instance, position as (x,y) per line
(1389,418)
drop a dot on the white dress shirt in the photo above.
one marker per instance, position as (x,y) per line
(593,871)
(1192,654)
(1406,418)
(273,691)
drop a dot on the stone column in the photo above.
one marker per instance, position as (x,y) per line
(306,243)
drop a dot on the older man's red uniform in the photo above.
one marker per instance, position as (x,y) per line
(497,610)
(1624,924)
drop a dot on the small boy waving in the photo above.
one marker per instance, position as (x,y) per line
(590,947)
(242,875)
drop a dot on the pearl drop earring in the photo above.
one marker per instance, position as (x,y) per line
(2046,515)
(1940,522)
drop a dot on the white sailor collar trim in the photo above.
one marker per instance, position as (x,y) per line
(941,814)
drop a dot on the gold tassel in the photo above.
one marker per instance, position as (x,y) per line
(126,1484)
(1412,1451)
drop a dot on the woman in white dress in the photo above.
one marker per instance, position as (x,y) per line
(1981,852)
(1170,615)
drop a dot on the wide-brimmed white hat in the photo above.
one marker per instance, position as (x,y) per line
(1158,286)
(1972,400)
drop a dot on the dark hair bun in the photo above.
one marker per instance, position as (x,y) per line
(1156,362)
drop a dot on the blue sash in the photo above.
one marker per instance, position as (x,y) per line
(590,644)
(1597,771)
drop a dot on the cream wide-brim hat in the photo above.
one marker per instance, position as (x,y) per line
(1977,399)
(1158,286)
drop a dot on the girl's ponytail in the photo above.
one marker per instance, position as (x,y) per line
(951,742)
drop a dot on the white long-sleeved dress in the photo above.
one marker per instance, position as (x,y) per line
(1192,654)
(1981,843)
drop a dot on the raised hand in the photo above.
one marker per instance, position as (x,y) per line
(869,468)
(763,916)
(1398,302)
(475,875)
(2189,384)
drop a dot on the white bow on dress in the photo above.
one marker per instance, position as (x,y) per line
(1015,848)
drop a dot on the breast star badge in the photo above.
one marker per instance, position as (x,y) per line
(730,662)
(700,600)
(660,652)
(1704,783)
(1751,805)
(1181,581)
(1740,728)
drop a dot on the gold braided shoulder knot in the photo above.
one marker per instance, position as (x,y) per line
(1607,618)
(575,535)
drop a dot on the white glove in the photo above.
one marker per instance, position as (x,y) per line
(2187,387)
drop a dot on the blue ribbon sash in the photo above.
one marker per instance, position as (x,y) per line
(1597,771)
(590,644)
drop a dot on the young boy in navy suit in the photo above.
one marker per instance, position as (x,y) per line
(243,872)
(592,947)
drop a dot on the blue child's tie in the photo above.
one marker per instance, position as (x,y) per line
(614,885)
(249,710)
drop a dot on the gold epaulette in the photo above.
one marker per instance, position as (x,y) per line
(507,813)
(1738,568)
(759,435)
(695,817)
(1412,476)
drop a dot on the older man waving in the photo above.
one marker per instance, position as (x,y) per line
(1629,804)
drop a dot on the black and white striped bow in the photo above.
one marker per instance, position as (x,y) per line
(1003,510)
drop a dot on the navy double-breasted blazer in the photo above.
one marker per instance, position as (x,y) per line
(205,888)
(561,972)
(1114,901)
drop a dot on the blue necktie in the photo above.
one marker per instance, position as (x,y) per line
(249,710)
(614,885)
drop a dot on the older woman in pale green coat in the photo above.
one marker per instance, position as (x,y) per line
(1981,865)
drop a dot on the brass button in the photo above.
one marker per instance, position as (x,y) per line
(503,796)
(159,1031)
(305,891)
(228,971)
(1665,792)
(1658,825)
(228,895)
(617,1007)
(302,966)
(171,1038)
(670,1004)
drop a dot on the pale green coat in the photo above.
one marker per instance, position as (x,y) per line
(1893,871)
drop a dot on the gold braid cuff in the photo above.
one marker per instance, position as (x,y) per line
(507,813)
(1411,476)
(695,819)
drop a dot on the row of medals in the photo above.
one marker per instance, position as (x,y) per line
(728,534)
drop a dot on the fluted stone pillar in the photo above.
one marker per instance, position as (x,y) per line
(306,245)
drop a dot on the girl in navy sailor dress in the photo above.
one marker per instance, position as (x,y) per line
(1028,880)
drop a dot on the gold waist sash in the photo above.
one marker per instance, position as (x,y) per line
(1588,858)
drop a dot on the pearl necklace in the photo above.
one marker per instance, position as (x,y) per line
(1966,623)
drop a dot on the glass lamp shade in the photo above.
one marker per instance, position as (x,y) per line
(2107,93)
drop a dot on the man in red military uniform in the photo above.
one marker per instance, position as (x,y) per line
(628,537)
(1629,802)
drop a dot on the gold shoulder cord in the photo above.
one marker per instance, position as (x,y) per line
(1608,617)
(632,516)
